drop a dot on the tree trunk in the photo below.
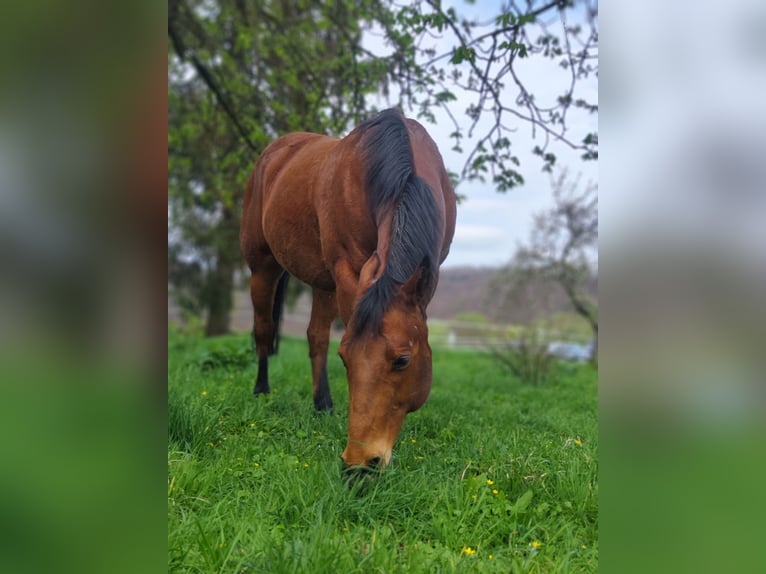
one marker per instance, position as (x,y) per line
(583,308)
(219,298)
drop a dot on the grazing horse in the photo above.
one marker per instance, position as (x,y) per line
(365,221)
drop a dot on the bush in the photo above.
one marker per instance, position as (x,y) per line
(527,356)
(227,356)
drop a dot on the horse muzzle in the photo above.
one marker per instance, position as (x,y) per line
(360,458)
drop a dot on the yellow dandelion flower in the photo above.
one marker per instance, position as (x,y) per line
(494,491)
(413,441)
(252,425)
(491,556)
(536,544)
(204,393)
(583,546)
(473,496)
(305,465)
(256,464)
(578,442)
(490,482)
(468,551)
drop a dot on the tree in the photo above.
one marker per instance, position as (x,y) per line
(561,250)
(438,52)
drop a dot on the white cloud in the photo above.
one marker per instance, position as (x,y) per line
(478,233)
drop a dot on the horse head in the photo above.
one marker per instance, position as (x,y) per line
(388,367)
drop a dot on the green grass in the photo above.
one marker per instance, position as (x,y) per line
(254,484)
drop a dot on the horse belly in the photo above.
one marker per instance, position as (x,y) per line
(292,232)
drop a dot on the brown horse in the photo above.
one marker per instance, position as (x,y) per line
(365,221)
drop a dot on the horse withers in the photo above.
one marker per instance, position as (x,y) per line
(366,221)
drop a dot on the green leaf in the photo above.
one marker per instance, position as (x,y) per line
(523,502)
(458,55)
(462,53)
(445,96)
(243,40)
(509,18)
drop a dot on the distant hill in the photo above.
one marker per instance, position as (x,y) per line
(461,289)
(467,289)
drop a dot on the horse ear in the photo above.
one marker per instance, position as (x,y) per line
(371,272)
(420,287)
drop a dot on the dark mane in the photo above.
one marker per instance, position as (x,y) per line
(391,183)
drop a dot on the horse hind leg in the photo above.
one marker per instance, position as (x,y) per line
(263,287)
(323,312)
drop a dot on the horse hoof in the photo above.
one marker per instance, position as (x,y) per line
(323,405)
(261,391)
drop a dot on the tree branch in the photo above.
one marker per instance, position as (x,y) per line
(206,75)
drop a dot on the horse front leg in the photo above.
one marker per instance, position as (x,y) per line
(323,312)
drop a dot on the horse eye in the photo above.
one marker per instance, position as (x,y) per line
(401,362)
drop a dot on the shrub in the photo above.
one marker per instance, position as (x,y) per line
(527,356)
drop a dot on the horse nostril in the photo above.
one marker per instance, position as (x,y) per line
(374,462)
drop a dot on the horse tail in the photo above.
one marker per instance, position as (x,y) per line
(279,304)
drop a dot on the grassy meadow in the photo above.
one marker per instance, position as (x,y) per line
(491,475)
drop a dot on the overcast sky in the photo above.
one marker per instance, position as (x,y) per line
(491,224)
